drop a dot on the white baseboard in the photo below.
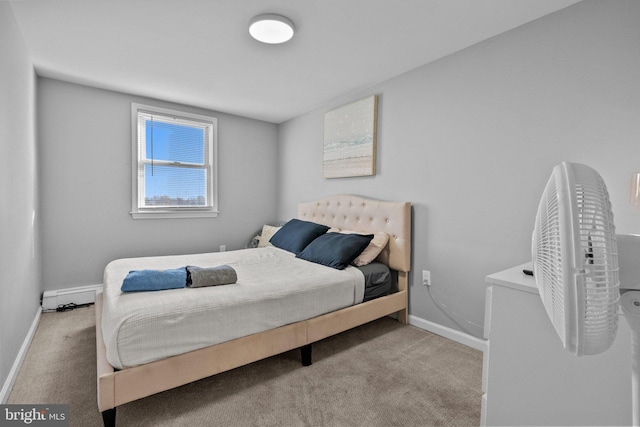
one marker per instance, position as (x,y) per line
(452,334)
(79,295)
(13,373)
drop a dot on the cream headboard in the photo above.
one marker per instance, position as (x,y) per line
(367,215)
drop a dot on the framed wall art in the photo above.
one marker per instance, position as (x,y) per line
(350,139)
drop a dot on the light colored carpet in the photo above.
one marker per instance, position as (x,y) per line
(379,374)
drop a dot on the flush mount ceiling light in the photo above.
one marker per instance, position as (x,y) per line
(271,29)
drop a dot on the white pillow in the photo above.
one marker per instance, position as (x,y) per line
(267,232)
(377,244)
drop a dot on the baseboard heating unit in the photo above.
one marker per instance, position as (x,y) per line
(80,295)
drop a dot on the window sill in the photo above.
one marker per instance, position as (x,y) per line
(174,214)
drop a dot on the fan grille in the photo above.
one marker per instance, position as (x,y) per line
(576,267)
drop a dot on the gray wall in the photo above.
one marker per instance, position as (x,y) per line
(20,285)
(470,141)
(85,144)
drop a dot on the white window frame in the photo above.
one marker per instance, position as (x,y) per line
(137,177)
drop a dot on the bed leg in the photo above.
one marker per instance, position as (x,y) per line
(305,354)
(109,417)
(403,317)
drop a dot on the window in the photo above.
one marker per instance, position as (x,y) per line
(174,164)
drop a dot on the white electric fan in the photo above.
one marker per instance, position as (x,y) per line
(582,268)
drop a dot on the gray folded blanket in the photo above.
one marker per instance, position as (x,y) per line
(212,276)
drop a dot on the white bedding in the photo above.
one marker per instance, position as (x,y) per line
(273,289)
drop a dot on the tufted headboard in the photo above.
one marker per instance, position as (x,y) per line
(359,214)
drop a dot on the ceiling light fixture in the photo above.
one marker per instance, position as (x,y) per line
(271,29)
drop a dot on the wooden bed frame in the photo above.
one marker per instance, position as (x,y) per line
(117,387)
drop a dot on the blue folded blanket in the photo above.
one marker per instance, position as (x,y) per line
(154,280)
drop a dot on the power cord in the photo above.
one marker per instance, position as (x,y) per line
(71,306)
(443,308)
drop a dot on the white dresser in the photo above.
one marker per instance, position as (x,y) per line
(530,379)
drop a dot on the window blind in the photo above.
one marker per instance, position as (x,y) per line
(173,161)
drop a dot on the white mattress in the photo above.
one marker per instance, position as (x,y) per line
(273,289)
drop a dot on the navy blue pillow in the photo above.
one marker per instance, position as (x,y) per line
(335,250)
(296,234)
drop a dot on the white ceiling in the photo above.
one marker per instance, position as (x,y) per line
(199,52)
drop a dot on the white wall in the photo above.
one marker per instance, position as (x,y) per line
(20,284)
(85,144)
(470,141)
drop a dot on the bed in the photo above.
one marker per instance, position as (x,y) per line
(252,333)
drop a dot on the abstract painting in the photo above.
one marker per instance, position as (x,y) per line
(350,139)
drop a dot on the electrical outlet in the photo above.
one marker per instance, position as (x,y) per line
(223,248)
(426,278)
